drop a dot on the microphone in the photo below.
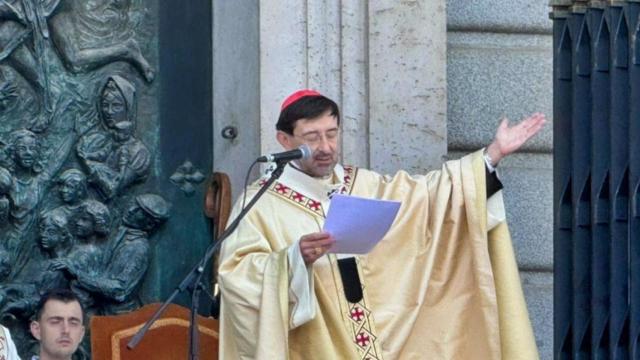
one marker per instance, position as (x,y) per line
(302,152)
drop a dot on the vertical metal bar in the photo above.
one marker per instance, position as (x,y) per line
(632,11)
(581,179)
(562,110)
(619,115)
(601,157)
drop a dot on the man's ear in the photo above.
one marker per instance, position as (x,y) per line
(35,329)
(284,139)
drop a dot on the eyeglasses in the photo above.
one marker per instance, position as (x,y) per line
(315,137)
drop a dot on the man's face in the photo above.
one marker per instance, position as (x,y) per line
(26,151)
(59,329)
(83,225)
(322,134)
(50,235)
(70,190)
(137,218)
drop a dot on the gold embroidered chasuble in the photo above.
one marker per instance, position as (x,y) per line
(438,286)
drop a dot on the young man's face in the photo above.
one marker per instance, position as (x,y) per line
(59,329)
(50,235)
(83,225)
(26,152)
(322,134)
(70,190)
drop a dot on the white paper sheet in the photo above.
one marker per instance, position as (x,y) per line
(358,224)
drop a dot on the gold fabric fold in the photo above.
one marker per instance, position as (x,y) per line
(517,339)
(437,286)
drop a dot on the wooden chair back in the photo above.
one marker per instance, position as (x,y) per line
(168,338)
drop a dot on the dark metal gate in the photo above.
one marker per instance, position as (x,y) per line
(596,179)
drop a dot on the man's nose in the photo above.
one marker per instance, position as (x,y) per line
(324,144)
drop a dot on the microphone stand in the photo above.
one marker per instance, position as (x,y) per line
(192,280)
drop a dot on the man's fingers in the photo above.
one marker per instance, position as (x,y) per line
(510,138)
(315,236)
(504,123)
(313,246)
(316,239)
(532,124)
(534,119)
(536,125)
(323,242)
(318,245)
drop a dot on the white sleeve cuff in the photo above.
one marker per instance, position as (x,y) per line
(495,210)
(490,167)
(301,293)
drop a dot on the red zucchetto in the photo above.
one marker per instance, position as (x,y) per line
(297,95)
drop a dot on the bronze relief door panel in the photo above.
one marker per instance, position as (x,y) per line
(105,141)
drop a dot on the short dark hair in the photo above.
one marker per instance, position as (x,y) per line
(64,295)
(307,107)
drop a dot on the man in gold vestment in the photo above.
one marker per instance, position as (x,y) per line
(442,283)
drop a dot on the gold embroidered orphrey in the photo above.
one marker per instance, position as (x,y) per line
(356,316)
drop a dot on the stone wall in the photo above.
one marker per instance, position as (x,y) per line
(384,62)
(499,63)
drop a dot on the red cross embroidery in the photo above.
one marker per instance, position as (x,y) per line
(347,179)
(314,205)
(298,197)
(357,314)
(362,339)
(281,189)
(262,182)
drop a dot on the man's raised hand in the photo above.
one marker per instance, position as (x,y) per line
(509,139)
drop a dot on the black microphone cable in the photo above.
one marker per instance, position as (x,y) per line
(246,184)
